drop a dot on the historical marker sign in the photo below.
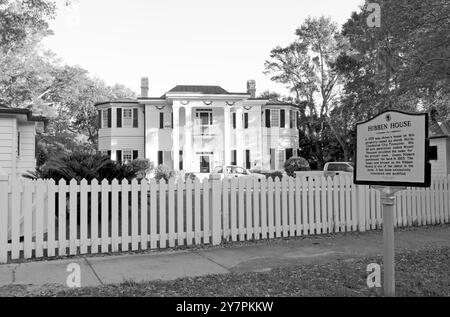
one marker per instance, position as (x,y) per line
(391,150)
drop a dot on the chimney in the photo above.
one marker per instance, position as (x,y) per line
(144,87)
(251,88)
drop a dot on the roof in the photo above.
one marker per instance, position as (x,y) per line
(8,110)
(276,102)
(438,129)
(202,89)
(115,101)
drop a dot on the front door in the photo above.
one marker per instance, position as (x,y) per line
(205,164)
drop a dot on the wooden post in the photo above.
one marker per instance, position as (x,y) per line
(388,201)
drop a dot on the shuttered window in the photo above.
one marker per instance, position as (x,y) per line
(119,117)
(246,120)
(135,118)
(268,118)
(282,118)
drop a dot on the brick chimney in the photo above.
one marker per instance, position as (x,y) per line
(251,88)
(144,87)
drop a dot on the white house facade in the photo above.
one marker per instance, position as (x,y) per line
(18,128)
(197,128)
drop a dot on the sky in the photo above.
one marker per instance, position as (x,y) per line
(183,42)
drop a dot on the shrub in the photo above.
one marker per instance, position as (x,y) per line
(190,176)
(295,164)
(142,167)
(274,175)
(85,165)
(164,172)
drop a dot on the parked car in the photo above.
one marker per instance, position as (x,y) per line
(233,171)
(332,169)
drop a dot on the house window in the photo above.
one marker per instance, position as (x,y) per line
(291,119)
(248,164)
(233,157)
(160,157)
(282,118)
(165,120)
(127,156)
(18,143)
(275,122)
(267,118)
(204,121)
(105,119)
(127,118)
(246,120)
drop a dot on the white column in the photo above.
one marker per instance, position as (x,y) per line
(187,153)
(240,137)
(226,136)
(176,136)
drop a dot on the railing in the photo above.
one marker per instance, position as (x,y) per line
(44,219)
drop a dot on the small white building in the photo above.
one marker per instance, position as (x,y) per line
(18,128)
(196,128)
(440,138)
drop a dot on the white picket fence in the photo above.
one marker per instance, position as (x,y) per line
(44,219)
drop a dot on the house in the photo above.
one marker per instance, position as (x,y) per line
(440,138)
(197,128)
(18,128)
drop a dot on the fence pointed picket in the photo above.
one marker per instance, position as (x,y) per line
(207,207)
(114,215)
(248,208)
(134,215)
(291,194)
(354,207)
(336,184)
(298,206)
(189,214)
(125,216)
(256,209)
(62,223)
(284,207)
(270,208)
(278,207)
(15,218)
(330,205)
(323,204)
(226,235)
(83,216)
(197,211)
(105,217)
(317,215)
(153,215)
(162,214)
(348,210)
(95,188)
(144,215)
(305,219)
(233,209)
(441,200)
(51,241)
(180,212)
(447,199)
(73,217)
(27,217)
(311,220)
(264,229)
(241,213)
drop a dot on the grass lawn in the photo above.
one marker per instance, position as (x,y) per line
(418,273)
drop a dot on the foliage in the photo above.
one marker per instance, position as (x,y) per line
(307,68)
(164,172)
(274,175)
(143,167)
(190,176)
(296,164)
(89,166)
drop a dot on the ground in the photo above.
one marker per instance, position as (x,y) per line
(333,265)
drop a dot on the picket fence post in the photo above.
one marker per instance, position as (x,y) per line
(4,184)
(216,210)
(361,198)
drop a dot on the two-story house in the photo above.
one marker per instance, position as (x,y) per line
(196,128)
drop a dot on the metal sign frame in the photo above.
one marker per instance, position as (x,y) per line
(426,167)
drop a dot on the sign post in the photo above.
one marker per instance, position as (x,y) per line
(391,154)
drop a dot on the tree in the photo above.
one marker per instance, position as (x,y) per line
(307,68)
(406,60)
